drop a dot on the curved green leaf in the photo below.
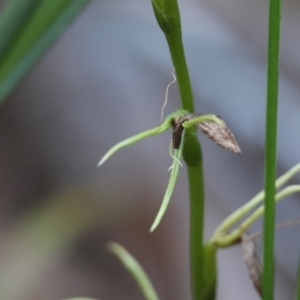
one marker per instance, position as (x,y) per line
(28,29)
(132,265)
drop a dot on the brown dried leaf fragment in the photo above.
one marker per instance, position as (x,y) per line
(218,132)
(252,262)
(177,133)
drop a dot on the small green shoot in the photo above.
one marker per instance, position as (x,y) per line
(174,174)
(135,269)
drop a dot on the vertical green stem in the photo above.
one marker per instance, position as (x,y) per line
(270,148)
(168,17)
(193,158)
(183,78)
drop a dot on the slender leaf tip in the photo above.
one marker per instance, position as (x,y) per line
(171,185)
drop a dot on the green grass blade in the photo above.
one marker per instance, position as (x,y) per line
(134,139)
(173,177)
(270,148)
(132,265)
(10,26)
(28,44)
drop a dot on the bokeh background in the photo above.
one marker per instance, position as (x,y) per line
(105,80)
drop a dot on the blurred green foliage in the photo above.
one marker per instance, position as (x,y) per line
(28,28)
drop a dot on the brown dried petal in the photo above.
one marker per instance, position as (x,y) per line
(252,262)
(218,132)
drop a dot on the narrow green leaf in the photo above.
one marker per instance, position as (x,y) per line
(173,177)
(13,19)
(43,26)
(133,139)
(132,265)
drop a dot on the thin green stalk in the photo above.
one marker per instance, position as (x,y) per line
(168,18)
(270,148)
(248,206)
(193,157)
(231,238)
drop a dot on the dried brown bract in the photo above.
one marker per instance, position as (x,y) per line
(177,133)
(252,262)
(217,131)
(221,134)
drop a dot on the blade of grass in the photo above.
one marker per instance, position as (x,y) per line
(171,185)
(270,148)
(31,41)
(132,265)
(11,26)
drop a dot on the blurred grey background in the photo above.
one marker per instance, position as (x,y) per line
(104,81)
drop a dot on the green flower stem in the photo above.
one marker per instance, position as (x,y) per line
(229,239)
(174,174)
(132,265)
(168,18)
(270,148)
(210,276)
(243,210)
(193,157)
